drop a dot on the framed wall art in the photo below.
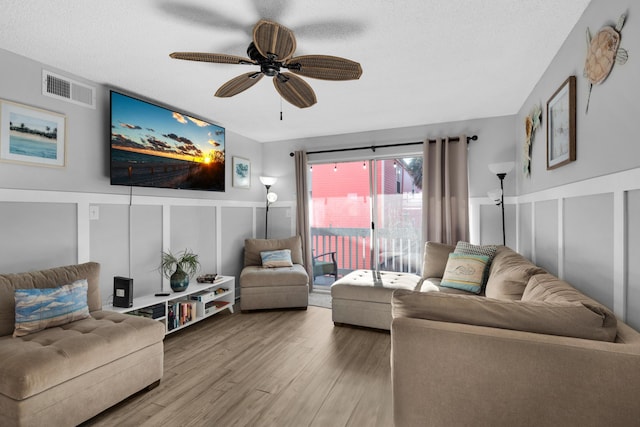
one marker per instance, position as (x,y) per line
(31,135)
(241,172)
(561,125)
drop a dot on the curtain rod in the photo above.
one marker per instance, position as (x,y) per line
(373,147)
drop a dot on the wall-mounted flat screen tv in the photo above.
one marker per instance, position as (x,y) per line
(153,146)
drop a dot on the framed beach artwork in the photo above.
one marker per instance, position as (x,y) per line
(561,125)
(31,135)
(241,172)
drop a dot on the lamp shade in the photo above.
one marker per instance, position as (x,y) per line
(498,168)
(272,197)
(495,195)
(268,180)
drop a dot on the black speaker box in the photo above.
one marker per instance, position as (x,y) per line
(122,292)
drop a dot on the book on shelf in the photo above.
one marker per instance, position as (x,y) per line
(181,312)
(210,307)
(171,317)
(152,312)
(208,295)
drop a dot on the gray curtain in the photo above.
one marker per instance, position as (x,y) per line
(445,191)
(302,212)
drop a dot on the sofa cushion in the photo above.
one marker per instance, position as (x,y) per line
(465,272)
(253,247)
(509,275)
(50,278)
(279,258)
(548,288)
(38,309)
(433,285)
(258,276)
(373,286)
(563,318)
(37,362)
(435,259)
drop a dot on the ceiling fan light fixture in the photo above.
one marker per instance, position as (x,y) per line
(270,70)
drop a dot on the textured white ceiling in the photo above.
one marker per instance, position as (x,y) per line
(424,61)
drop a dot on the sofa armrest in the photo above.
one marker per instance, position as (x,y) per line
(456,374)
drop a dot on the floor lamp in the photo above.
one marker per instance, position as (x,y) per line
(268,181)
(501,170)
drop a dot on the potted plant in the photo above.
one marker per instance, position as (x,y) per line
(178,268)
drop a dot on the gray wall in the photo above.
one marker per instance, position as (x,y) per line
(32,232)
(607,134)
(633,305)
(44,212)
(583,224)
(546,235)
(491,224)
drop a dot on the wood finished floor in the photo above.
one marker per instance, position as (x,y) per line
(272,368)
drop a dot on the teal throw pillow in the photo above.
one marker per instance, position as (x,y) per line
(38,309)
(486,250)
(464,272)
(280,258)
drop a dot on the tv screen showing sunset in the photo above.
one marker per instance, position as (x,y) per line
(152,146)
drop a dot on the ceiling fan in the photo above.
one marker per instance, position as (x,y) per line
(272,49)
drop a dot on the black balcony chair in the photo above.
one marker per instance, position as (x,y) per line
(322,266)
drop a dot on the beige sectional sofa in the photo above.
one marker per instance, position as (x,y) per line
(530,351)
(66,374)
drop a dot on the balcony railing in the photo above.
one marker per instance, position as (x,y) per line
(398,249)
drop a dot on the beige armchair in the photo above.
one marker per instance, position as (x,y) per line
(273,287)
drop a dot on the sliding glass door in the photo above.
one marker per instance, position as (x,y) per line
(366,214)
(398,214)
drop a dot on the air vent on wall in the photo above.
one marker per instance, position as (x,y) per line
(57,86)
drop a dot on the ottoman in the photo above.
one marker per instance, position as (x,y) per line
(363,297)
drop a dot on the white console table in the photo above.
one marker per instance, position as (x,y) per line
(215,302)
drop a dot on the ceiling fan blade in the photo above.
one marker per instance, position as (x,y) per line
(272,38)
(219,58)
(325,67)
(206,16)
(294,90)
(273,9)
(239,84)
(336,29)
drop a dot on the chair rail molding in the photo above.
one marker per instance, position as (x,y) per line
(83,201)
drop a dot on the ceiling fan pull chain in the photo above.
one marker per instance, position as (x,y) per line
(280,108)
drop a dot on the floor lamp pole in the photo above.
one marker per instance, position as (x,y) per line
(501,170)
(266,215)
(501,176)
(268,181)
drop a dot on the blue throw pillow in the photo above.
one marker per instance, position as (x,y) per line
(280,258)
(38,309)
